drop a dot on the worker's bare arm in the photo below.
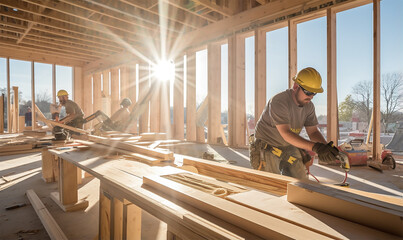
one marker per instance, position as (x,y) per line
(293,138)
(315,135)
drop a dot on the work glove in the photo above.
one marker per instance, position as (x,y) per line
(326,152)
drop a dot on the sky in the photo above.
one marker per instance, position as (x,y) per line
(354,58)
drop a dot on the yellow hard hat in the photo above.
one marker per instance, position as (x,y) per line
(309,79)
(62,93)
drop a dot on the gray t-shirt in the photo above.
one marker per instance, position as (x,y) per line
(281,109)
(73,108)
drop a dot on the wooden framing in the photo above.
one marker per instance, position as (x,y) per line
(16,110)
(191,96)
(8,97)
(236,91)
(260,72)
(214,92)
(33,107)
(165,120)
(87,98)
(143,89)
(376,110)
(332,106)
(96,88)
(54,93)
(114,90)
(292,51)
(2,113)
(155,107)
(124,81)
(78,86)
(178,94)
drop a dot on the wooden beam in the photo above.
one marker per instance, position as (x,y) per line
(143,89)
(220,9)
(376,110)
(191,96)
(30,25)
(155,107)
(2,113)
(132,91)
(53,230)
(214,92)
(292,52)
(260,72)
(124,81)
(96,87)
(78,130)
(87,98)
(165,120)
(178,94)
(54,93)
(23,53)
(8,96)
(114,90)
(236,94)
(33,106)
(78,86)
(332,109)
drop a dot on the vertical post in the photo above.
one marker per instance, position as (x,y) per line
(9,98)
(155,107)
(124,81)
(54,83)
(143,89)
(132,91)
(376,147)
(78,86)
(260,72)
(178,111)
(165,120)
(2,113)
(87,98)
(114,90)
(33,109)
(97,91)
(106,98)
(16,110)
(191,96)
(214,92)
(236,86)
(292,51)
(331,77)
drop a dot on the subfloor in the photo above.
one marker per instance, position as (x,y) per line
(23,172)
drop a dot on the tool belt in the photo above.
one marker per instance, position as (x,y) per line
(258,147)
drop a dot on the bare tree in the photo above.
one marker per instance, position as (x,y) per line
(391,90)
(363,94)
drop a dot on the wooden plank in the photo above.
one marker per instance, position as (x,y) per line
(16,110)
(132,92)
(376,110)
(68,183)
(96,87)
(51,226)
(143,89)
(88,99)
(105,217)
(332,120)
(260,73)
(370,212)
(333,227)
(33,95)
(260,224)
(21,123)
(75,73)
(166,155)
(214,92)
(117,219)
(47,166)
(133,222)
(9,96)
(155,107)
(292,51)
(78,130)
(2,113)
(236,88)
(220,170)
(78,86)
(178,94)
(114,90)
(191,96)
(165,120)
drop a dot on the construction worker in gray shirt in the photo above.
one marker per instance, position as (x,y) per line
(277,146)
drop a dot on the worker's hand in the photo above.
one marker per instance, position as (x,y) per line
(326,152)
